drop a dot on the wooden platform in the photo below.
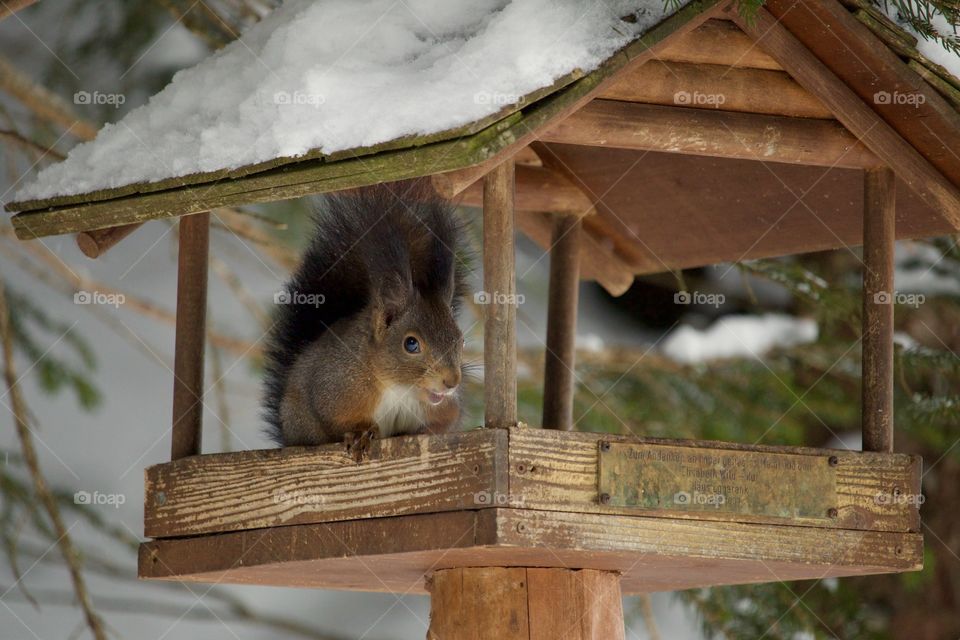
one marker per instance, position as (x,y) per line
(527,497)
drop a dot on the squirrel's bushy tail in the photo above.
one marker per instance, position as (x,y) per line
(361,238)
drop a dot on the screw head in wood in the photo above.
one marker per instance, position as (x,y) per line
(833,461)
(604,446)
(521,527)
(521,468)
(897,492)
(832,512)
(604,498)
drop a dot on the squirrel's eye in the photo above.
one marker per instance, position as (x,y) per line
(411,344)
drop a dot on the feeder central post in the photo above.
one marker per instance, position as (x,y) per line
(191,335)
(517,603)
(558,379)
(499,297)
(879,219)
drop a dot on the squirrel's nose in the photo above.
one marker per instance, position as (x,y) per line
(451,381)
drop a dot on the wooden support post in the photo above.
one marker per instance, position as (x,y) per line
(558,378)
(500,288)
(515,603)
(879,217)
(191,333)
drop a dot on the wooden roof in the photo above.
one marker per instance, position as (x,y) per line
(707,139)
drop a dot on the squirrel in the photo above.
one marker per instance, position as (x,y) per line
(366,343)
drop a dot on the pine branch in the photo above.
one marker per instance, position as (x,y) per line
(201,20)
(920,15)
(19,410)
(936,411)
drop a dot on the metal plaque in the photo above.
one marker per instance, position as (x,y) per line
(651,476)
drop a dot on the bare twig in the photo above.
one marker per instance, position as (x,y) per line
(139,305)
(202,21)
(19,410)
(10,7)
(235,284)
(646,612)
(43,102)
(38,150)
(49,278)
(239,223)
(220,391)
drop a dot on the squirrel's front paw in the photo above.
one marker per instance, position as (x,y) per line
(358,446)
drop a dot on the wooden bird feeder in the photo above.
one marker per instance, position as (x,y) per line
(519,532)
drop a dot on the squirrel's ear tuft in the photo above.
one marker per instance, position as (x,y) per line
(389,299)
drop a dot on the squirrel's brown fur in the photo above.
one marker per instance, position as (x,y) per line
(382,272)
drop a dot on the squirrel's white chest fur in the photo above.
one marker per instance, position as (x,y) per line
(398,411)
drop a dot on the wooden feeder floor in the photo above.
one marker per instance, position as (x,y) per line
(310,517)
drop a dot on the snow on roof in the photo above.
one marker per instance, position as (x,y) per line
(343,74)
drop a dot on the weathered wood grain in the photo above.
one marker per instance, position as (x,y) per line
(949,90)
(559,379)
(376,554)
(558,472)
(680,543)
(479,603)
(94,244)
(538,189)
(190,347)
(577,605)
(503,603)
(851,110)
(879,235)
(652,200)
(253,489)
(720,134)
(500,289)
(653,554)
(718,42)
(715,86)
(598,259)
